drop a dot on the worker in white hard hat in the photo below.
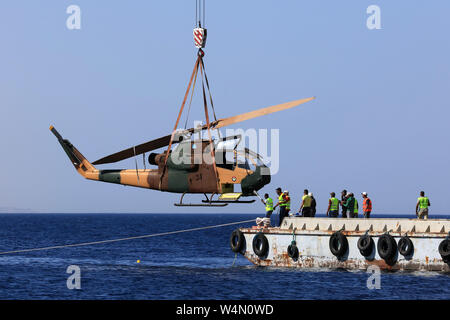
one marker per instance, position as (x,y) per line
(367,205)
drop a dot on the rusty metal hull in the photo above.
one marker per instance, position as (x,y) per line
(312,236)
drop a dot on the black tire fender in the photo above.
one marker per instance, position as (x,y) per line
(444,249)
(366,245)
(387,247)
(260,245)
(237,240)
(338,244)
(292,250)
(405,246)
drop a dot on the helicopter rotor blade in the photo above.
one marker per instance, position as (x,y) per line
(164,141)
(260,112)
(136,150)
(146,147)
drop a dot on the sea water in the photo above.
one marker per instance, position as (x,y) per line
(191,265)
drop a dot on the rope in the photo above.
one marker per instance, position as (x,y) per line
(190,101)
(124,239)
(135,161)
(235,257)
(211,145)
(209,90)
(143,160)
(178,120)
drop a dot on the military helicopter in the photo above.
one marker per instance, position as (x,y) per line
(195,166)
(186,170)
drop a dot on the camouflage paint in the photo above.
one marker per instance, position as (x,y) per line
(111,176)
(177,178)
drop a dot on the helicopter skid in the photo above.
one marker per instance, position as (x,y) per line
(207,203)
(200,204)
(229,201)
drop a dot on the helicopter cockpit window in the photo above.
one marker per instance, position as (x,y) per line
(248,160)
(224,150)
(258,162)
(229,157)
(242,162)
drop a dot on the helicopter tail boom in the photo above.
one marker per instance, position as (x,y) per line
(130,177)
(81,164)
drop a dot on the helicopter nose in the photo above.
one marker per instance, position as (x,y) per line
(256,180)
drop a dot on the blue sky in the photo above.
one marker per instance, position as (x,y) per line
(379,123)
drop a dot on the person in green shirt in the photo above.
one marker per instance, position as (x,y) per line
(352,206)
(422,206)
(268,202)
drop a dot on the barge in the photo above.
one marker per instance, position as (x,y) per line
(348,243)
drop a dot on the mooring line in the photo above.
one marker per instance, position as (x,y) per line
(124,239)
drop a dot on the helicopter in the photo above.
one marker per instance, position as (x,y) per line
(195,166)
(186,169)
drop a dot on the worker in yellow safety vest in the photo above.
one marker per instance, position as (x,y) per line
(422,206)
(268,202)
(333,206)
(287,200)
(355,208)
(282,204)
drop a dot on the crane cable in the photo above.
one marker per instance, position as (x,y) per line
(199,61)
(200,12)
(124,239)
